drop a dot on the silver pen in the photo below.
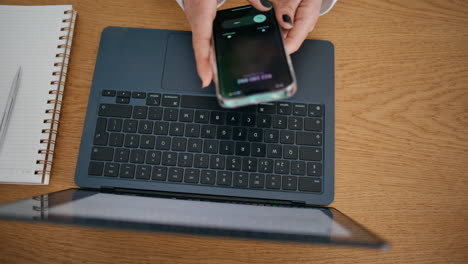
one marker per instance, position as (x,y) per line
(9,106)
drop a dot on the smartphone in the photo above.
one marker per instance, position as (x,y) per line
(251,64)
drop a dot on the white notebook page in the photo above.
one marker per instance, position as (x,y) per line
(29,36)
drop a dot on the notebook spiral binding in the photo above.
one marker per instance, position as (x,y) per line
(55,96)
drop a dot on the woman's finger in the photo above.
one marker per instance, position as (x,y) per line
(306,17)
(201,14)
(262,5)
(285,11)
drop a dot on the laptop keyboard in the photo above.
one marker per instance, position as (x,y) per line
(186,139)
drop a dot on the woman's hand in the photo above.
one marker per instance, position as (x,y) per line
(296,17)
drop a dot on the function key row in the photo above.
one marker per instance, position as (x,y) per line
(210,103)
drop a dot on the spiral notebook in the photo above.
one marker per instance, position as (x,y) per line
(37,39)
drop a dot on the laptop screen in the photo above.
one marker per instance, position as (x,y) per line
(302,224)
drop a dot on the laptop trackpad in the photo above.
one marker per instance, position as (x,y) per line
(180,72)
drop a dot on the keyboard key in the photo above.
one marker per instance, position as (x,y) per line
(200,102)
(100,138)
(267,108)
(257,180)
(132,141)
(315,110)
(241,179)
(314,169)
(170,114)
(308,184)
(290,152)
(192,130)
(115,125)
(233,119)
(208,177)
(130,126)
(185,160)
(224,178)
(289,183)
(218,118)
(298,168)
(271,136)
(258,150)
(191,175)
(153,157)
(171,100)
(137,156)
(284,108)
(114,110)
(310,153)
(161,128)
(295,123)
(273,182)
(226,147)
(287,137)
(143,172)
(242,148)
(274,151)
(208,131)
(186,115)
(223,132)
(145,127)
(248,120)
(179,144)
(95,168)
(169,158)
(233,163)
(210,146)
(299,109)
(163,143)
(201,161)
(217,162)
(153,99)
(195,145)
(127,171)
(140,112)
(239,133)
(249,164)
(139,95)
(313,124)
(108,93)
(176,129)
(280,122)
(201,116)
(147,142)
(111,169)
(264,121)
(101,124)
(255,134)
(155,113)
(308,139)
(125,94)
(282,167)
(175,174)
(121,155)
(102,153)
(159,173)
(122,100)
(265,165)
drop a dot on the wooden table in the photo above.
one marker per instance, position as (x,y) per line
(401,140)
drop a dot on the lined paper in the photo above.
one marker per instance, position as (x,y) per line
(29,36)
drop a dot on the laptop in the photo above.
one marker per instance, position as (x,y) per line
(159,154)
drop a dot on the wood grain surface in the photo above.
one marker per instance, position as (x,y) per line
(401,140)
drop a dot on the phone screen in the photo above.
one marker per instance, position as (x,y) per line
(250,55)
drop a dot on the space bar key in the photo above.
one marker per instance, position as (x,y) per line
(200,102)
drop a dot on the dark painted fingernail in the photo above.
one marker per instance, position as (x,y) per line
(266,3)
(287,19)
